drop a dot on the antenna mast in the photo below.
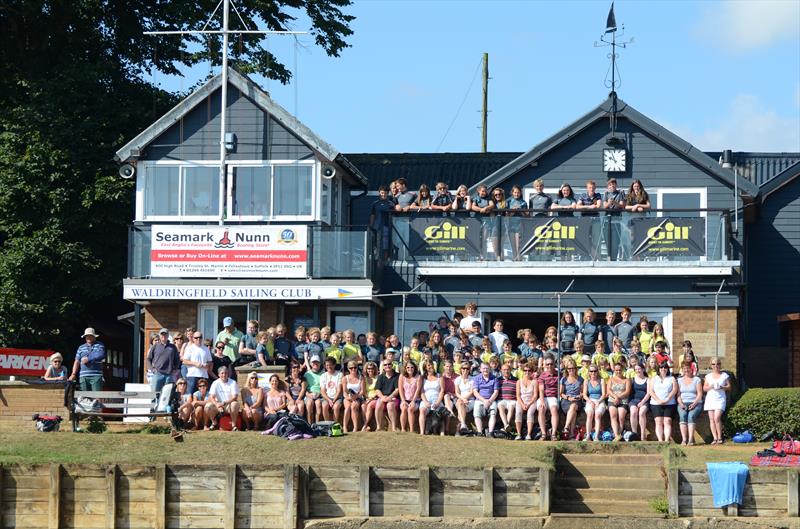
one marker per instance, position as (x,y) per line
(611,27)
(225,32)
(485,114)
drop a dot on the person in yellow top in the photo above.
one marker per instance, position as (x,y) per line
(605,369)
(519,369)
(650,366)
(486,356)
(658,337)
(390,356)
(599,353)
(334,351)
(579,351)
(427,356)
(414,353)
(616,351)
(583,371)
(351,350)
(644,335)
(508,356)
(627,370)
(369,380)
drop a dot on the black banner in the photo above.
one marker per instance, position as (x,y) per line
(565,236)
(437,236)
(668,236)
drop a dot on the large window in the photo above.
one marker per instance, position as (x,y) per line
(272,191)
(180,191)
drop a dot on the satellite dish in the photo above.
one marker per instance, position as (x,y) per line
(127,171)
(328,172)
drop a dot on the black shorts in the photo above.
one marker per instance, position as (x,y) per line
(663,410)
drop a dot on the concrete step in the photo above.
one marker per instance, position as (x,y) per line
(601,507)
(611,459)
(610,471)
(623,483)
(601,495)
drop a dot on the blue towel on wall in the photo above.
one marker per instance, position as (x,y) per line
(727,482)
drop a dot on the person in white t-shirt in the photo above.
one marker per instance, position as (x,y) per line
(224,395)
(330,384)
(466,321)
(498,337)
(198,361)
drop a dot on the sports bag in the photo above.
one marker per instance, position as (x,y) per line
(47,423)
(788,446)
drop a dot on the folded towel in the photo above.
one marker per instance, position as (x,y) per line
(727,482)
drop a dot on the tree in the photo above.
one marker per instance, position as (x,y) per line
(73,89)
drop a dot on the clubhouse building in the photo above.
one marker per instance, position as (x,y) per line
(282,235)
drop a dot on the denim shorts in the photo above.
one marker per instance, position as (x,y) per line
(689,416)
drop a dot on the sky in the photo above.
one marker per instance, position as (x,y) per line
(720,74)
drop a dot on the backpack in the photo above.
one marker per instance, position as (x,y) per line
(47,423)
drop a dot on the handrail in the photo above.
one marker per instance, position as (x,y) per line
(526,211)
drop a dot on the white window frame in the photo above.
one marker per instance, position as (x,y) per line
(348,308)
(702,191)
(253,311)
(141,191)
(436,312)
(315,188)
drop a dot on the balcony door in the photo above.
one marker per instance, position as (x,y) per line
(691,198)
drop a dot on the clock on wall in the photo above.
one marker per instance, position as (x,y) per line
(614,160)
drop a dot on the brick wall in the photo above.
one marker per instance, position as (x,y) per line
(19,401)
(696,323)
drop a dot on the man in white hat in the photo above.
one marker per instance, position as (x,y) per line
(88,366)
(230,336)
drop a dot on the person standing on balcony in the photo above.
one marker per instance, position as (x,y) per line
(588,203)
(515,219)
(483,204)
(539,199)
(565,201)
(443,201)
(637,204)
(424,200)
(462,200)
(380,219)
(498,218)
(614,201)
(405,198)
(230,336)
(88,365)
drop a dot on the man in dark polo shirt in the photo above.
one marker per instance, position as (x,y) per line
(386,388)
(164,361)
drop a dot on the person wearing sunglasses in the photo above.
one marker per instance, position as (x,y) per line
(253,403)
(388,403)
(185,407)
(370,392)
(527,396)
(224,400)
(571,388)
(548,398)
(353,391)
(198,361)
(594,395)
(716,386)
(200,399)
(219,360)
(297,390)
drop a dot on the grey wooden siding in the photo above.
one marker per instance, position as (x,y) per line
(259,136)
(773,274)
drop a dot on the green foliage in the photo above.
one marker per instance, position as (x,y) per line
(73,90)
(96,425)
(660,505)
(762,410)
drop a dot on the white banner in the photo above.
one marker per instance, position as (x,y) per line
(229,251)
(273,292)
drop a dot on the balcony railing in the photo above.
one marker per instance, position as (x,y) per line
(541,236)
(332,252)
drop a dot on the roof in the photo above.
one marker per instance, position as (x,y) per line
(626,111)
(759,167)
(453,169)
(254,92)
(780,180)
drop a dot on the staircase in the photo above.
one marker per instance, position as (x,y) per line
(608,483)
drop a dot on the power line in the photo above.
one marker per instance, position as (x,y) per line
(471,84)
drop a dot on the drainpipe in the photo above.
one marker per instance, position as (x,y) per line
(716,319)
(727,163)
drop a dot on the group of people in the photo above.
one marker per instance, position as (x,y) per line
(615,372)
(494,204)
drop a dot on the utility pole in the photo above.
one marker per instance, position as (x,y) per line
(225,32)
(485,115)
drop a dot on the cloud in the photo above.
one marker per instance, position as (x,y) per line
(747,126)
(744,25)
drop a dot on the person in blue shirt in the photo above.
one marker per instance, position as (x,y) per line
(589,330)
(539,200)
(88,366)
(588,203)
(568,331)
(483,204)
(380,218)
(443,201)
(486,389)
(614,203)
(625,330)
(565,202)
(515,219)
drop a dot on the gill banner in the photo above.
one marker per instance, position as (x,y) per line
(668,236)
(564,236)
(444,237)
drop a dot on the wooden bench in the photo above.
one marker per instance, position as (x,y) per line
(116,404)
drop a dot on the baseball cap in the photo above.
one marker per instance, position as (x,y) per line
(227,322)
(314,358)
(163,331)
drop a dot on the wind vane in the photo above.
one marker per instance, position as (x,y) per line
(616,80)
(225,32)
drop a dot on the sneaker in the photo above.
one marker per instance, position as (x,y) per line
(518,437)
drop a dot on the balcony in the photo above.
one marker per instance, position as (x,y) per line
(312,252)
(660,242)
